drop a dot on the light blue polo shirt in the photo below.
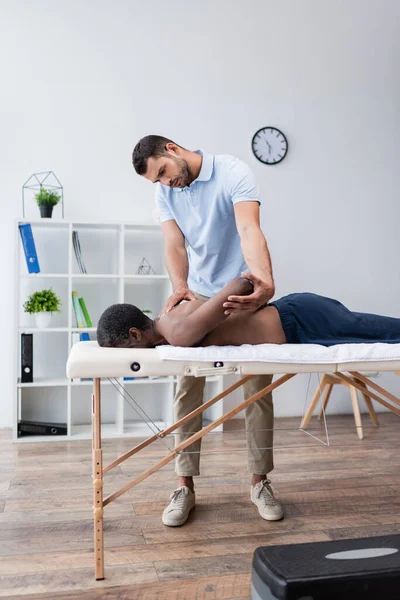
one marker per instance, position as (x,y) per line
(204,213)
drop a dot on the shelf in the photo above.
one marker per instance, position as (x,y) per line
(43,222)
(73,382)
(44,276)
(53,329)
(92,224)
(112,252)
(94,276)
(22,329)
(84,432)
(44,383)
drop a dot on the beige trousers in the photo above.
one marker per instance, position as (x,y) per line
(259,419)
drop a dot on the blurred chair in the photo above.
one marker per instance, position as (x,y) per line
(326,384)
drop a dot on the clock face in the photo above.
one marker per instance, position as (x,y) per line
(269,145)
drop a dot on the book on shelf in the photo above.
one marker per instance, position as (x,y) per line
(80,337)
(78,251)
(80,320)
(85,312)
(28,244)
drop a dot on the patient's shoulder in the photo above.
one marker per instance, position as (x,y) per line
(167,323)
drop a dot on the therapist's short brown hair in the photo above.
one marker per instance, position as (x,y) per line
(150,145)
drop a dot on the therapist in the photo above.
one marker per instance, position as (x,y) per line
(210,217)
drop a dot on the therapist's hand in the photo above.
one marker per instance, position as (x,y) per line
(261,295)
(182,293)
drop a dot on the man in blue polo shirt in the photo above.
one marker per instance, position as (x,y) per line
(210,219)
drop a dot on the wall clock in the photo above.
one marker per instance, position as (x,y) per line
(269,145)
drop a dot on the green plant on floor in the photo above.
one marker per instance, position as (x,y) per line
(47,198)
(43,301)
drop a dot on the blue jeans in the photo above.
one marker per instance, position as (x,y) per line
(311,319)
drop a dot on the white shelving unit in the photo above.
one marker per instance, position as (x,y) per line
(112,253)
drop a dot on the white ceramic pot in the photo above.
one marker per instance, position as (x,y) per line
(42,319)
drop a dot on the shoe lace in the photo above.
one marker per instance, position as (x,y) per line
(178,499)
(266,493)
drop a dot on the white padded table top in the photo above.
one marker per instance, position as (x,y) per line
(88,359)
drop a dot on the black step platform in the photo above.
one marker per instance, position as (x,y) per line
(356,569)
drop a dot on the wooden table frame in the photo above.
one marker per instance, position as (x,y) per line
(99,471)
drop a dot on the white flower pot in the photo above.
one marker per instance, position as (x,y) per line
(42,319)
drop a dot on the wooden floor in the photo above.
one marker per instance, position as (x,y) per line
(350,489)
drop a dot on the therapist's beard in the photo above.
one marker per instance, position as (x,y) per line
(184,173)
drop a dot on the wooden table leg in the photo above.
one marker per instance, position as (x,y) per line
(97,482)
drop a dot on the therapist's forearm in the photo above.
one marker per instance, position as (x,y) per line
(177,264)
(257,256)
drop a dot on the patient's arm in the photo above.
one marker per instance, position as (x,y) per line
(189,330)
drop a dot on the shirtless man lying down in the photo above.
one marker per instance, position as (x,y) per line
(303,318)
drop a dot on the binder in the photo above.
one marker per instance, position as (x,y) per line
(28,244)
(85,312)
(77,310)
(39,428)
(26,357)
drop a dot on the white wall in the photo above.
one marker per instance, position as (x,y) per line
(83,81)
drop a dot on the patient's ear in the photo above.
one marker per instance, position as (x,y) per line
(135,335)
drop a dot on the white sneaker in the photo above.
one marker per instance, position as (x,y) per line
(269,508)
(177,511)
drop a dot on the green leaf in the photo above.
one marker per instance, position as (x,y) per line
(42,301)
(48,197)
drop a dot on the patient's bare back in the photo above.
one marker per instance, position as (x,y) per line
(260,327)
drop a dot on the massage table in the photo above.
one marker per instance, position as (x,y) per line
(89,360)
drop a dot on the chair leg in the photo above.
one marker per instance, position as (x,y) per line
(325,400)
(356,410)
(313,403)
(370,406)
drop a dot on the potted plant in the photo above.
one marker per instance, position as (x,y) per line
(46,200)
(42,304)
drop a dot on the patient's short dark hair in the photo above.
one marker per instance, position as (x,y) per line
(115,322)
(151,145)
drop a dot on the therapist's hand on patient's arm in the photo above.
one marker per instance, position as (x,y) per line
(261,295)
(181,293)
